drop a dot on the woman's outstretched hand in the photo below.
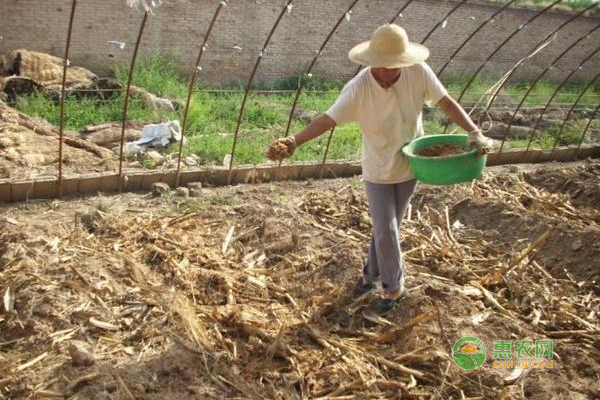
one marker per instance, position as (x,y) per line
(482,143)
(281,148)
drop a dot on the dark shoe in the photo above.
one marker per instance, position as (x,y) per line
(363,287)
(386,305)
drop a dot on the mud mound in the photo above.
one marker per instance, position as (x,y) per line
(248,293)
(29,148)
(24,72)
(504,126)
(108,134)
(581,183)
(45,69)
(526,212)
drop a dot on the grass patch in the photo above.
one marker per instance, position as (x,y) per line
(156,73)
(574,5)
(213,115)
(80,113)
(553,136)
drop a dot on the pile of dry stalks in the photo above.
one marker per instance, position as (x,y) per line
(255,300)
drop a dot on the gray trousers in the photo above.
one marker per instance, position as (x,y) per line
(387,204)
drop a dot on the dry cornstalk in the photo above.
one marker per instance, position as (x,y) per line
(227,240)
(76,383)
(124,387)
(48,394)
(32,362)
(493,300)
(533,245)
(392,335)
(103,325)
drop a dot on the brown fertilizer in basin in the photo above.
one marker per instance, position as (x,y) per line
(442,150)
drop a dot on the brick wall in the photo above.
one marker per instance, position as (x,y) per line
(178,27)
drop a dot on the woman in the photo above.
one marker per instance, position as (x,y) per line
(386,100)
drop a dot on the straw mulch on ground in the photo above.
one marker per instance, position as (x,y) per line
(247,292)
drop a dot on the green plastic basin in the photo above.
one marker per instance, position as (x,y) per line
(443,170)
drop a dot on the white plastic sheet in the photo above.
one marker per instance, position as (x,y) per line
(155,135)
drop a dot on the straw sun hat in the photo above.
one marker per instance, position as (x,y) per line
(389,47)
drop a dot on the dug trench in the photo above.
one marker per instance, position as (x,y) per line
(247,291)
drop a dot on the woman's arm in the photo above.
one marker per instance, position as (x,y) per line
(314,129)
(456,113)
(283,148)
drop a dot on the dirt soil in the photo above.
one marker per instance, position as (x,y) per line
(248,292)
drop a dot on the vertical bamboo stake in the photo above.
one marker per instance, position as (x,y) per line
(62,102)
(126,100)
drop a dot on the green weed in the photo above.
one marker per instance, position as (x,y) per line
(212,124)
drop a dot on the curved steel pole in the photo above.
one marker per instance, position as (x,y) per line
(539,77)
(400,11)
(586,129)
(332,130)
(522,26)
(312,64)
(537,122)
(250,80)
(391,21)
(193,78)
(463,44)
(62,101)
(441,21)
(562,127)
(126,100)
(533,49)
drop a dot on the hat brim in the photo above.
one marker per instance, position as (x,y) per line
(413,54)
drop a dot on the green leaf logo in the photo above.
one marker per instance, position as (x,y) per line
(469,352)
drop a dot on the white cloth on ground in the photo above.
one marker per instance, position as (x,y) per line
(155,135)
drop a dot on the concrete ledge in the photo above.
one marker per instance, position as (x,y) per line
(88,184)
(539,156)
(71,183)
(21,190)
(45,188)
(92,183)
(5,190)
